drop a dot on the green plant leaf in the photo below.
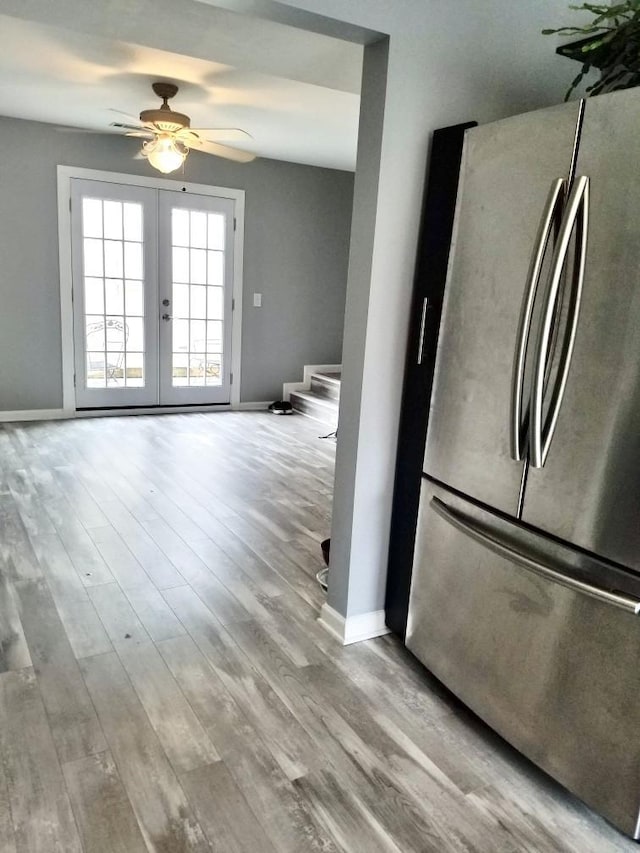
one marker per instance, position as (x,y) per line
(612,44)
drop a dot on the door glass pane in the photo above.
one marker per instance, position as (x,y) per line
(214,336)
(95,370)
(93,257)
(113,258)
(215,268)
(114,296)
(180,227)
(198,266)
(132,216)
(180,369)
(214,369)
(198,336)
(94,296)
(134,369)
(214,303)
(113,220)
(180,267)
(114,309)
(198,255)
(180,336)
(198,301)
(133,260)
(198,229)
(196,370)
(95,332)
(135,337)
(92,217)
(181,301)
(216,225)
(134,298)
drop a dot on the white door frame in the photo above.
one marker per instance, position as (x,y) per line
(65,174)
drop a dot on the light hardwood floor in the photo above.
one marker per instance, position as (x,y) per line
(164,684)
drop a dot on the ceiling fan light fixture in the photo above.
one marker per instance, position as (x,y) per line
(165,153)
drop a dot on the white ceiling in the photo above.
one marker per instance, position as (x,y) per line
(296,93)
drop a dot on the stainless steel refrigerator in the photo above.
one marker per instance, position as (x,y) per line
(525,590)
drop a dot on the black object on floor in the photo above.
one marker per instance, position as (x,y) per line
(281,407)
(323,575)
(333,434)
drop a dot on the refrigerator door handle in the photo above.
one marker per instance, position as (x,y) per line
(520,423)
(493,542)
(576,215)
(423,324)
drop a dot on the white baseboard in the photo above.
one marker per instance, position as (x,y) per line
(332,621)
(353,629)
(155,410)
(35,415)
(259,406)
(59,414)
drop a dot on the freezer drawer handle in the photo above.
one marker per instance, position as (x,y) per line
(550,215)
(576,215)
(474,531)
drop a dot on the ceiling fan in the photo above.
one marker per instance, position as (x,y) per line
(168,135)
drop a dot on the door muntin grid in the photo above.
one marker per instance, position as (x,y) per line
(197,297)
(113,289)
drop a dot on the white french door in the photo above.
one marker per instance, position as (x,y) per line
(152,296)
(114,239)
(195,265)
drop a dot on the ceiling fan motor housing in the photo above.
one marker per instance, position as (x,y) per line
(164,118)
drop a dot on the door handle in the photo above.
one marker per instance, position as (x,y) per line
(519,424)
(576,215)
(494,543)
(167,317)
(423,323)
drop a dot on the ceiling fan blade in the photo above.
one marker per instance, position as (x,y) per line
(222,134)
(121,126)
(140,134)
(122,113)
(65,129)
(225,151)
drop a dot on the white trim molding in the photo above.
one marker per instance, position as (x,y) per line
(34,415)
(65,174)
(61,414)
(259,406)
(289,387)
(353,629)
(153,410)
(170,410)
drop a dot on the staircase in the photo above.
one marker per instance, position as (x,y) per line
(320,400)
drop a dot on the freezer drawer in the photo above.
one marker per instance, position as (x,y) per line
(553,668)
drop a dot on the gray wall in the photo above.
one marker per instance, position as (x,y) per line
(297,223)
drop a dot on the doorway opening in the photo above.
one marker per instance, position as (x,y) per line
(153,292)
